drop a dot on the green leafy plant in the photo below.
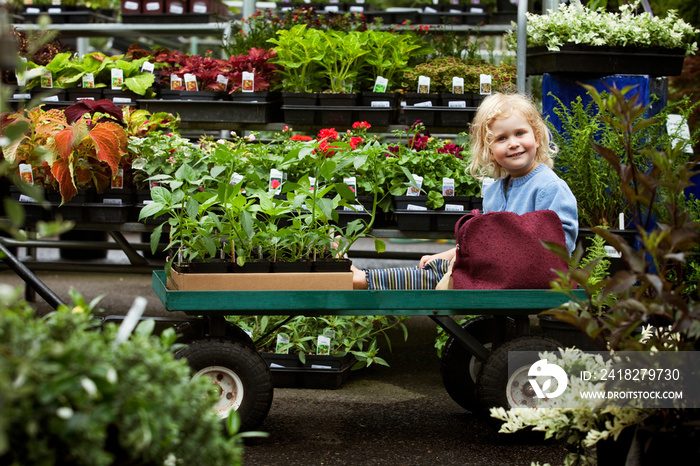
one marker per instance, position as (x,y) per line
(389,55)
(356,335)
(75,393)
(300,53)
(590,177)
(343,58)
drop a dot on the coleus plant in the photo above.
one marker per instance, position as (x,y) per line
(87,152)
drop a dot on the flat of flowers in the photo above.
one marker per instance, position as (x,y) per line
(259,281)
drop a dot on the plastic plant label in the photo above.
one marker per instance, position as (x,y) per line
(448,187)
(191,82)
(323,346)
(25,173)
(282,340)
(381,84)
(414,189)
(351,181)
(88,81)
(223,80)
(678,128)
(380,104)
(485,183)
(147,67)
(312,183)
(176,83)
(235,179)
(423,84)
(118,179)
(117,78)
(46,79)
(485,84)
(248,84)
(457,85)
(276,178)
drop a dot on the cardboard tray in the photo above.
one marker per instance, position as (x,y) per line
(259,281)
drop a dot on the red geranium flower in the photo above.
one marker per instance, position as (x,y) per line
(300,137)
(355,141)
(329,134)
(361,124)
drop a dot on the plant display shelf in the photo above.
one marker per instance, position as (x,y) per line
(504,305)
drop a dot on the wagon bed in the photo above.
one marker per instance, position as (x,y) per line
(475,360)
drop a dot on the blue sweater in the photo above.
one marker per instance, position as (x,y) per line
(540,189)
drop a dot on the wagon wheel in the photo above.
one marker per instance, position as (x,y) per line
(243,377)
(460,369)
(499,387)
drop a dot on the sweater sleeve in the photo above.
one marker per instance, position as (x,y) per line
(558,197)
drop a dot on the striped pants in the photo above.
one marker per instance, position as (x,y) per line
(407,278)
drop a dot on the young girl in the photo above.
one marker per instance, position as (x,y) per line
(510,143)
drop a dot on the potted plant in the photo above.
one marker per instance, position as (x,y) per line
(294,342)
(299,54)
(555,41)
(125,378)
(343,59)
(389,54)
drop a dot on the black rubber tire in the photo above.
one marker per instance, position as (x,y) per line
(459,369)
(492,385)
(240,366)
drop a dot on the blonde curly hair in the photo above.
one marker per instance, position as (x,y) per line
(500,106)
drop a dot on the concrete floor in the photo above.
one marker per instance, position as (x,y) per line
(397,415)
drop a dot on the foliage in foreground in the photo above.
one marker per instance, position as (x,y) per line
(73,393)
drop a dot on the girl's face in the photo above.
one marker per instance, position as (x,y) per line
(514,145)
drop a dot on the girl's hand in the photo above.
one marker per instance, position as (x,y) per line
(448,255)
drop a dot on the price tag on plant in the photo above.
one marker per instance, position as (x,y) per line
(236,178)
(351,181)
(47,79)
(423,85)
(282,340)
(117,79)
(88,81)
(381,84)
(118,179)
(248,84)
(276,178)
(457,85)
(485,84)
(223,80)
(448,187)
(25,173)
(191,82)
(414,188)
(176,83)
(323,346)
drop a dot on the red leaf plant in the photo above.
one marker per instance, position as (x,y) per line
(87,153)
